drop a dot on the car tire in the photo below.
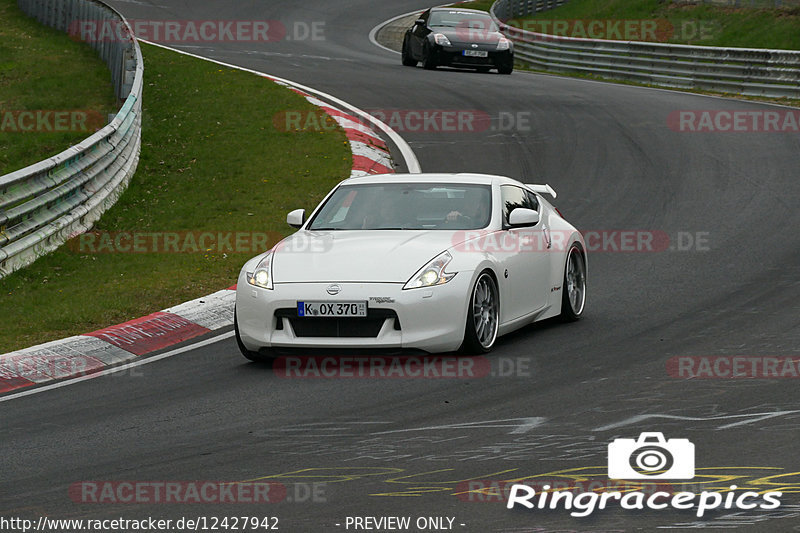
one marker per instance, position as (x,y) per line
(249,354)
(508,69)
(408,60)
(429,61)
(483,316)
(573,292)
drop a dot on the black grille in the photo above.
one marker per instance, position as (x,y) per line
(368,326)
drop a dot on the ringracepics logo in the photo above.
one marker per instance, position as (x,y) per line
(648,457)
(651,457)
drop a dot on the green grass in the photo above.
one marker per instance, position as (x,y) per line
(211,160)
(43,69)
(690,24)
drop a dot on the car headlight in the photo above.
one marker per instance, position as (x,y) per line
(262,275)
(503,44)
(432,274)
(441,39)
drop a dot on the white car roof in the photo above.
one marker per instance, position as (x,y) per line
(460,9)
(483,179)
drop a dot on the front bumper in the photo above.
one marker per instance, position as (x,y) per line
(429,319)
(454,56)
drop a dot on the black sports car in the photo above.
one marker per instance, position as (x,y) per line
(457,38)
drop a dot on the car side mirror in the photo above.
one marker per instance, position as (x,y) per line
(420,22)
(523,217)
(296,218)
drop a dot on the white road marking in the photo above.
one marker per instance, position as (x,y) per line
(523,425)
(277,54)
(748,419)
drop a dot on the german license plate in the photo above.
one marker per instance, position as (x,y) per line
(476,53)
(335,309)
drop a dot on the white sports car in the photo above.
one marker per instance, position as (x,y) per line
(434,262)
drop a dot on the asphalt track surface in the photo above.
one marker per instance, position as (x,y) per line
(398,447)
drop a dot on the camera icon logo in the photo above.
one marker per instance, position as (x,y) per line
(651,457)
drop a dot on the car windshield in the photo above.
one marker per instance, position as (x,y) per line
(405,206)
(462,19)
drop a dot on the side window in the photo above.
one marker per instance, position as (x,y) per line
(514,197)
(532,200)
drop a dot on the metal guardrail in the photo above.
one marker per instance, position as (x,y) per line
(746,71)
(44,204)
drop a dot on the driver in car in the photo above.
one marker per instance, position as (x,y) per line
(473,212)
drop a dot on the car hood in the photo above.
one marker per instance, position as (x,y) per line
(467,36)
(357,256)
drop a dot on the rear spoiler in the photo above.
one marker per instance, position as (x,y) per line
(541,189)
